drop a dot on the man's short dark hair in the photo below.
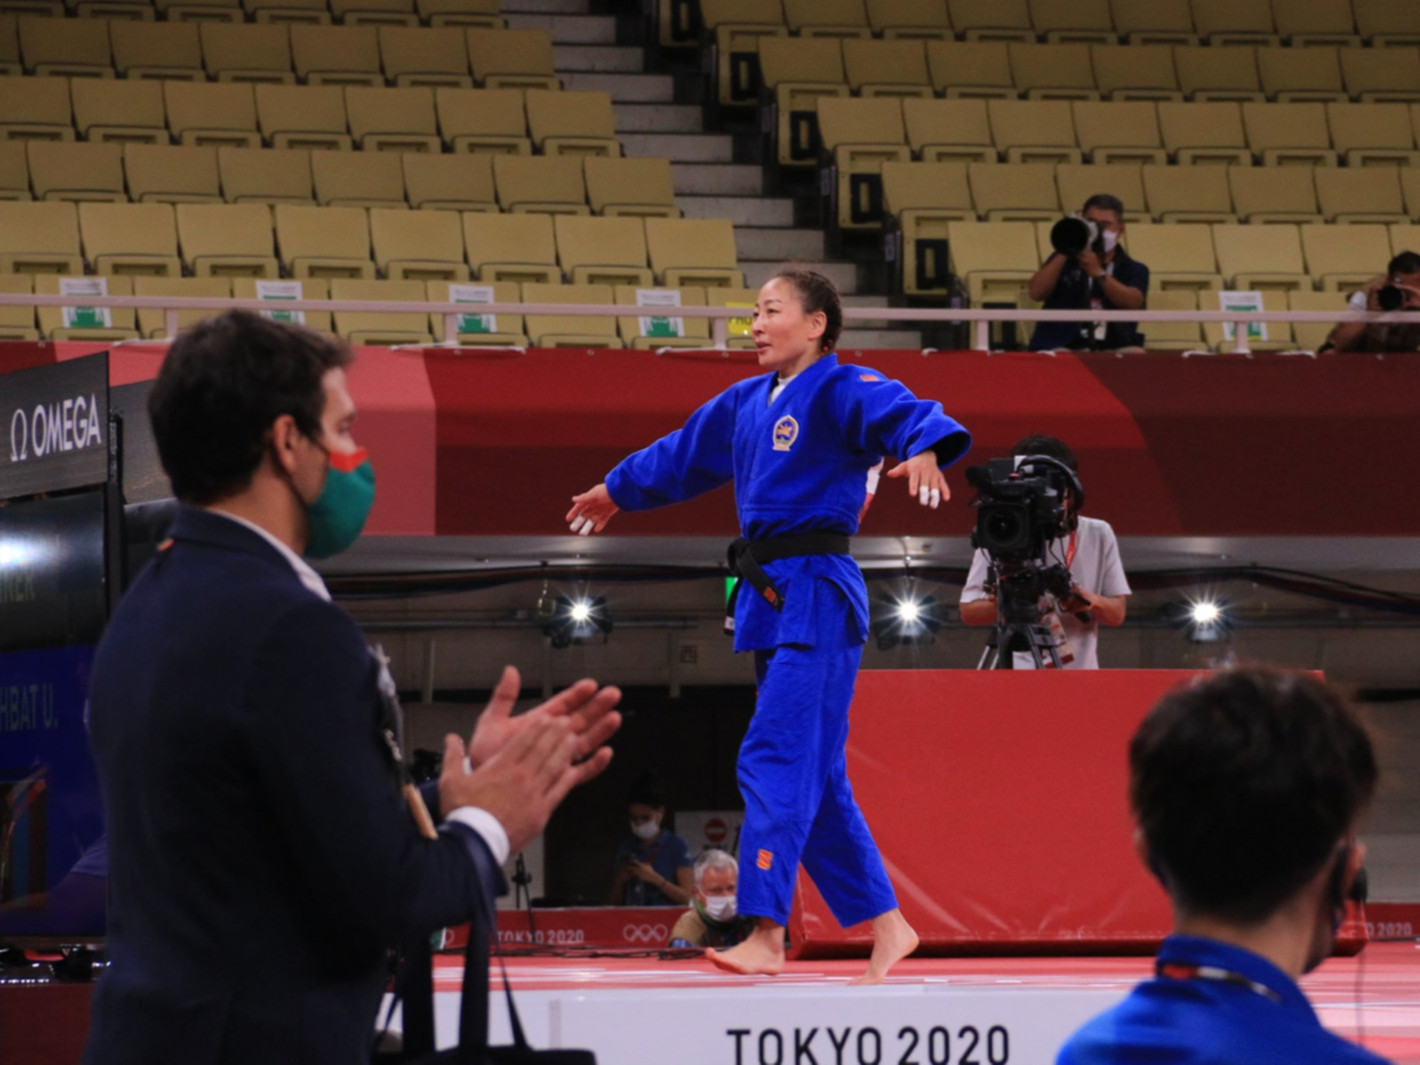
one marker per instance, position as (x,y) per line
(1243,784)
(1105,202)
(1407,262)
(1051,446)
(222,384)
(646,790)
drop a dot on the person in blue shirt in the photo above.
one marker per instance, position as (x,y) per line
(1247,787)
(653,866)
(801,444)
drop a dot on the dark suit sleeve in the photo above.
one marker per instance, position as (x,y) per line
(335,806)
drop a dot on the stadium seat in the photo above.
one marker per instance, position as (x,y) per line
(909,19)
(1034,131)
(474,329)
(798,72)
(1178,256)
(739,330)
(1310,336)
(1372,134)
(511,247)
(693,251)
(1260,257)
(400,120)
(1274,194)
(1283,134)
(201,113)
(157,50)
(1301,75)
(381,327)
(886,68)
(152,321)
(164,173)
(310,288)
(1404,237)
(328,242)
(924,198)
(1246,22)
(66,170)
(480,14)
(1360,194)
(199,10)
(650,329)
(303,116)
(289,12)
(1077,182)
(1376,75)
(358,179)
(543,184)
(1135,72)
(266,175)
(127,111)
(76,47)
(374,12)
(14,171)
(39,238)
(1197,133)
(1385,23)
(1343,258)
(957,130)
(991,20)
(1073,21)
(1278,335)
(1053,71)
(1189,193)
(1303,22)
(639,187)
(1215,74)
(247,52)
(571,331)
(1118,132)
(418,245)
(859,135)
(9,46)
(122,325)
(602,251)
(827,18)
(459,181)
(483,120)
(1014,192)
(17,322)
(1410,184)
(737,26)
(36,109)
(1154,21)
(980,69)
(994,260)
(130,238)
(1174,336)
(227,240)
(337,55)
(114,10)
(433,57)
(571,123)
(512,59)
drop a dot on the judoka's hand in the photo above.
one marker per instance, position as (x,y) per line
(590,711)
(591,511)
(925,479)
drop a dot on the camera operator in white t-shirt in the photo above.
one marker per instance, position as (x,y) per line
(1098,587)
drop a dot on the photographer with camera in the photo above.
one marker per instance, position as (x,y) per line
(1090,271)
(1398,289)
(1097,587)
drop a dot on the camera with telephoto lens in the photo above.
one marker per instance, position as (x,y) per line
(1390,297)
(1074,234)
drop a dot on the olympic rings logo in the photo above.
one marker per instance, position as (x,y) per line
(645,933)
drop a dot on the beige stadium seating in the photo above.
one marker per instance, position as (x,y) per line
(247,52)
(14,171)
(17,322)
(1278,334)
(1198,133)
(482,14)
(1214,74)
(909,19)
(1077,182)
(434,57)
(1118,132)
(266,175)
(1178,256)
(9,46)
(737,26)
(1023,192)
(127,111)
(545,184)
(1073,21)
(1282,134)
(381,327)
(163,173)
(799,71)
(827,18)
(288,12)
(978,69)
(401,120)
(571,331)
(1342,259)
(954,130)
(358,179)
(1362,194)
(480,330)
(227,240)
(1301,75)
(310,288)
(666,328)
(1053,71)
(152,321)
(924,198)
(1410,185)
(887,68)
(859,135)
(640,187)
(511,247)
(157,50)
(571,123)
(454,181)
(995,260)
(739,330)
(686,252)
(991,20)
(1261,257)
(1135,72)
(115,10)
(418,245)
(1243,22)
(1189,193)
(303,116)
(512,59)
(76,47)
(1034,131)
(1382,22)
(124,325)
(483,120)
(200,10)
(1274,194)
(130,238)
(1310,336)
(1154,21)
(39,238)
(337,55)
(36,109)
(328,242)
(602,251)
(1315,21)
(1372,134)
(1375,75)
(1404,237)
(66,170)
(201,114)
(1174,336)
(374,12)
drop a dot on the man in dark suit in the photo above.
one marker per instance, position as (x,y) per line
(263,858)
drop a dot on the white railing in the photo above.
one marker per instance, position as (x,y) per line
(719,316)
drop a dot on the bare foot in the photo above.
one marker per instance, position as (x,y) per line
(893,940)
(761,954)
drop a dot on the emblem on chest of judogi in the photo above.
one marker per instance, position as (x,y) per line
(786,431)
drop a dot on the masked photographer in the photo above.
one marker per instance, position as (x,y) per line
(1098,587)
(1099,276)
(1395,290)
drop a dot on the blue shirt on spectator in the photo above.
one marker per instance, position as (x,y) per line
(1075,290)
(665,854)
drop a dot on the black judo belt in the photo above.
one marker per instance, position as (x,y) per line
(748,557)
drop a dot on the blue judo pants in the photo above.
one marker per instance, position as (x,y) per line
(793,775)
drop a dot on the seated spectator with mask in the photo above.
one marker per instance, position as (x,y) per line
(1100,277)
(653,865)
(1247,786)
(1398,289)
(711,920)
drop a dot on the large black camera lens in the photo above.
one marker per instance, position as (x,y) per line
(1070,236)
(1390,298)
(1003,529)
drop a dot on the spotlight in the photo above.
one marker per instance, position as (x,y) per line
(910,619)
(566,621)
(1206,620)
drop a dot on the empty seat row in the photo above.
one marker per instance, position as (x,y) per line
(147,173)
(308,116)
(344,55)
(481,13)
(653,323)
(254,240)
(1264,336)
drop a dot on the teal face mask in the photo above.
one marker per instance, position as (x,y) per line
(339,513)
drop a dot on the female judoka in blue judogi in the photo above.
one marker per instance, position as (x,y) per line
(800,444)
